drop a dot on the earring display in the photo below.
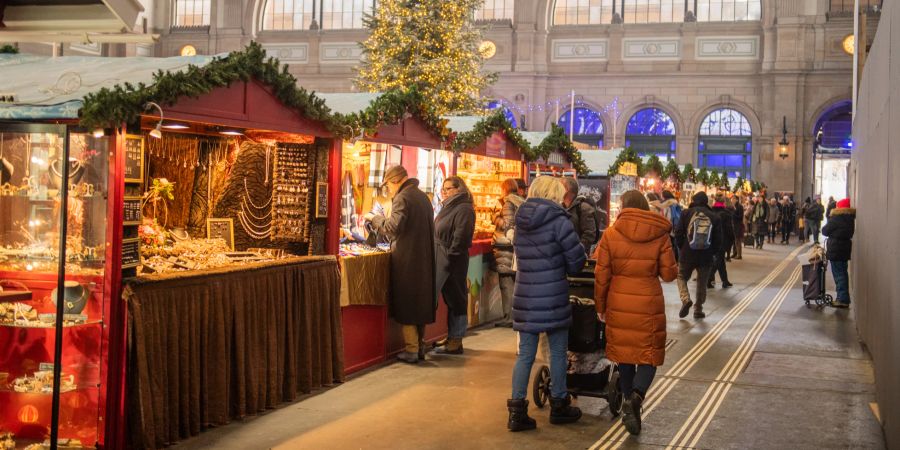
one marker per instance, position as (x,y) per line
(290,194)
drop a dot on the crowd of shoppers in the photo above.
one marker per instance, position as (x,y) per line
(544,236)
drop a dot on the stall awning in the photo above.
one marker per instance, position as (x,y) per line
(69,20)
(463,124)
(53,88)
(535,138)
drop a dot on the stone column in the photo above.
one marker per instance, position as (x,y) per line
(686,149)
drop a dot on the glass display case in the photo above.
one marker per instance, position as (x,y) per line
(32,158)
(484,175)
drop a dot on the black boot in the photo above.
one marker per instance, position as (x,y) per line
(518,416)
(631,413)
(562,411)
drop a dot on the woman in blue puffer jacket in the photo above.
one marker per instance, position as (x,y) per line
(547,249)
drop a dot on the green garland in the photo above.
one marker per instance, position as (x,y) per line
(703,176)
(390,107)
(557,140)
(713,179)
(626,155)
(654,166)
(7,48)
(689,174)
(672,171)
(723,181)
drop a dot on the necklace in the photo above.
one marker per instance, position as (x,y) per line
(262,233)
(250,200)
(247,210)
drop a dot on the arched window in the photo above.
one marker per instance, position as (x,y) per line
(495,10)
(588,127)
(725,143)
(582,12)
(832,146)
(327,14)
(494,104)
(651,131)
(727,10)
(192,13)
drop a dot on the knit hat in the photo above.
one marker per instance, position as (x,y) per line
(634,199)
(845,203)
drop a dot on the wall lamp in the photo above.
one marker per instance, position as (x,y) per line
(155,133)
(783,150)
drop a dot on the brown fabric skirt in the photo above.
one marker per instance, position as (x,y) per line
(208,347)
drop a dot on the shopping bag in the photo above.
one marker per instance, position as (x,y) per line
(586,334)
(812,281)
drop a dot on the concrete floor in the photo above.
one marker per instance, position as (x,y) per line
(761,371)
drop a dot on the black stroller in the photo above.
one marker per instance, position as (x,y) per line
(587,343)
(814,275)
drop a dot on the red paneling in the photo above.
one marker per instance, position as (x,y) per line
(410,160)
(494,145)
(410,132)
(332,231)
(364,334)
(245,105)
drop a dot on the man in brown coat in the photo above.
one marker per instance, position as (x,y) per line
(634,253)
(410,227)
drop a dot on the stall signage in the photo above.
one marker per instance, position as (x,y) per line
(557,158)
(688,186)
(131,253)
(628,168)
(495,146)
(132,211)
(134,158)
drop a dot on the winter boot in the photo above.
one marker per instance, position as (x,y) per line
(631,413)
(562,411)
(518,416)
(452,347)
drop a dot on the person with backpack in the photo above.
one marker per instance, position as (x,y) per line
(839,230)
(719,264)
(631,258)
(699,236)
(582,214)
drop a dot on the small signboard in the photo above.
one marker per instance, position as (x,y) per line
(221,229)
(321,200)
(628,168)
(131,253)
(134,158)
(132,212)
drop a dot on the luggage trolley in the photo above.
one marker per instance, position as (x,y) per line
(591,375)
(814,275)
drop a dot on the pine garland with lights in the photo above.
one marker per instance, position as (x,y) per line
(390,107)
(654,166)
(9,49)
(703,176)
(558,140)
(672,171)
(689,174)
(713,179)
(432,44)
(627,155)
(723,181)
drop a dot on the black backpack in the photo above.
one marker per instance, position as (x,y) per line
(587,334)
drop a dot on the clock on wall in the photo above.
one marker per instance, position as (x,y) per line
(848,44)
(487,49)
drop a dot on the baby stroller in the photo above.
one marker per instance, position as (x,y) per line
(590,374)
(814,275)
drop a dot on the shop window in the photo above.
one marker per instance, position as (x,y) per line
(495,10)
(725,143)
(326,14)
(588,127)
(192,13)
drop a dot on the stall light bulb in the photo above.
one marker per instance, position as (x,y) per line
(156,133)
(29,267)
(99,133)
(36,160)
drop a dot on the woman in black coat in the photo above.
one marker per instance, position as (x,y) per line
(410,227)
(453,230)
(839,231)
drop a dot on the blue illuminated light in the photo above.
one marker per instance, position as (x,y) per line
(650,122)
(494,104)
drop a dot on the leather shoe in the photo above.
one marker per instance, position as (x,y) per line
(726,285)
(685,308)
(699,314)
(408,357)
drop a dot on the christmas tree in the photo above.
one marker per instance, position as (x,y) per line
(432,44)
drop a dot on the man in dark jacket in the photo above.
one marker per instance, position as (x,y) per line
(454,227)
(411,230)
(839,231)
(788,218)
(725,217)
(814,215)
(582,214)
(831,205)
(739,229)
(696,259)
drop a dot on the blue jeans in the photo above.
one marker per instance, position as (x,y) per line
(841,281)
(559,363)
(813,228)
(456,326)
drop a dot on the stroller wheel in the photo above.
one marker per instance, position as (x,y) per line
(828,300)
(614,396)
(541,387)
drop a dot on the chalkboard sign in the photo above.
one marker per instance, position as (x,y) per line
(321,200)
(134,158)
(221,228)
(132,212)
(131,253)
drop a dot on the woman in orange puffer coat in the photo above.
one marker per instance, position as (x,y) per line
(632,256)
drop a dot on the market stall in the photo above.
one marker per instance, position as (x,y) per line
(486,157)
(200,190)
(414,142)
